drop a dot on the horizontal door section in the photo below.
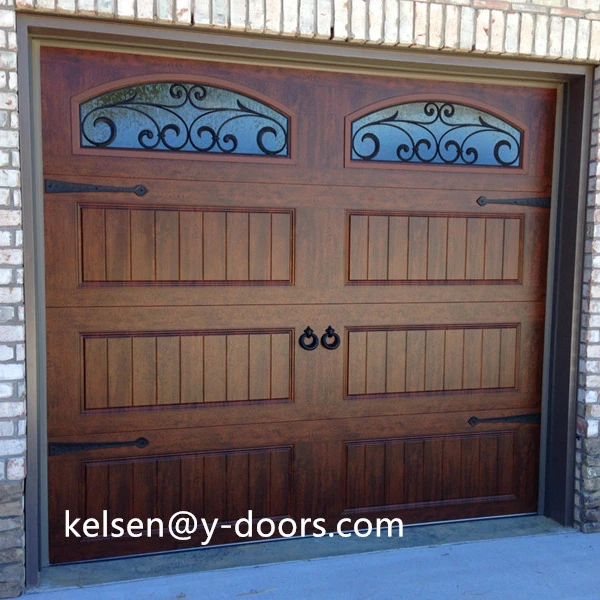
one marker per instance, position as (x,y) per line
(324,110)
(234,245)
(417,468)
(203,366)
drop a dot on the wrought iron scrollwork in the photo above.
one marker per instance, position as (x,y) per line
(436,132)
(183,117)
(330,333)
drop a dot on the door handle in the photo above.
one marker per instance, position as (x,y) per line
(330,333)
(308,333)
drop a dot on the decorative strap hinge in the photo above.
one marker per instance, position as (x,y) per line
(528,418)
(52,186)
(539,202)
(56,448)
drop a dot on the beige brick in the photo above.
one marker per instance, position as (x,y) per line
(11,447)
(407,16)
(567,12)
(540,46)
(556,35)
(526,37)
(421,23)
(11,295)
(582,49)
(482,31)
(183,11)
(595,43)
(467,28)
(392,16)
(497,29)
(491,4)
(529,8)
(10,409)
(201,11)
(451,27)
(550,2)
(569,38)
(324,14)
(256,15)
(125,8)
(86,6)
(11,257)
(15,469)
(7,18)
(583,4)
(220,13)
(237,12)
(436,25)
(358,20)
(106,7)
(9,139)
(307,18)
(375,21)
(11,333)
(7,429)
(8,60)
(69,6)
(10,218)
(340,23)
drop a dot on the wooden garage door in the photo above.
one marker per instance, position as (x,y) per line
(200,216)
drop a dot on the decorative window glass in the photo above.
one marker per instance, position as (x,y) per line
(183,117)
(436,132)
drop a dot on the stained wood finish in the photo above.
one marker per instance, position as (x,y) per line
(435,359)
(176,316)
(191,245)
(413,247)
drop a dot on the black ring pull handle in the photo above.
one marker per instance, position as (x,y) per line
(330,333)
(308,333)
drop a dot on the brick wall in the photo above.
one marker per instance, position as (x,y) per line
(587,497)
(565,30)
(12,350)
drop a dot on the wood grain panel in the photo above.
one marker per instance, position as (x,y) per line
(137,245)
(146,370)
(441,247)
(441,469)
(210,484)
(400,360)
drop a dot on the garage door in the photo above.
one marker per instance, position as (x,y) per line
(297,292)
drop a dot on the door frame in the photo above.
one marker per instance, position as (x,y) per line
(565,267)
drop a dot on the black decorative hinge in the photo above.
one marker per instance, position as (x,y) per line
(51,186)
(528,418)
(539,202)
(55,448)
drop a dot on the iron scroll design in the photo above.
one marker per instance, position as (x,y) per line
(436,132)
(183,117)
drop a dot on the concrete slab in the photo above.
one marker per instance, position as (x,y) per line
(551,566)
